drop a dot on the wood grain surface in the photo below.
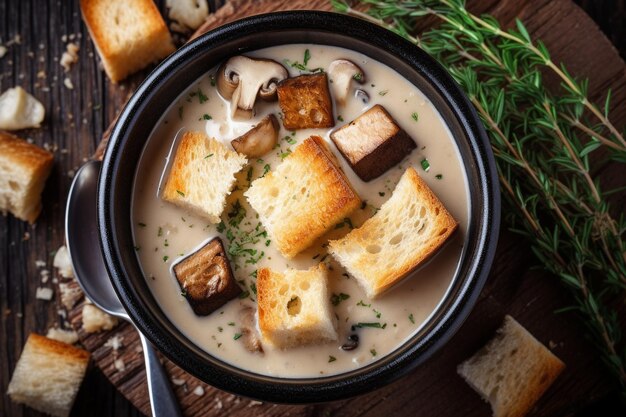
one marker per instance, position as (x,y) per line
(76,121)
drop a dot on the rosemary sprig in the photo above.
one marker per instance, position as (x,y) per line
(545,145)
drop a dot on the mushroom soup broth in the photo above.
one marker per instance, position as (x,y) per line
(165,234)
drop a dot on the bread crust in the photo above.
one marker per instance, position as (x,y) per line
(327,200)
(305,102)
(367,267)
(30,160)
(149,41)
(57,348)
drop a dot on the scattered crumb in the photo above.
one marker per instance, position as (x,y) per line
(44,274)
(62,313)
(199,391)
(69,294)
(3,51)
(64,38)
(552,344)
(40,263)
(254,403)
(95,320)
(114,342)
(68,83)
(119,365)
(138,349)
(178,382)
(70,56)
(71,173)
(218,404)
(41,74)
(26,236)
(188,14)
(63,262)
(44,293)
(67,336)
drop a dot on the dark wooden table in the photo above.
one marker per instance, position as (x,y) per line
(75,121)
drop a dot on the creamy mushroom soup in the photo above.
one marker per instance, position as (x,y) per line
(165,233)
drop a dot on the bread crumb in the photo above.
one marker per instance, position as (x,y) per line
(43,293)
(95,320)
(255,403)
(63,262)
(44,275)
(199,391)
(114,342)
(26,236)
(70,56)
(3,51)
(552,344)
(68,83)
(178,382)
(40,263)
(119,365)
(188,14)
(218,404)
(69,294)
(66,336)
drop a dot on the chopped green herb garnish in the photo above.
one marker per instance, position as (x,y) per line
(425,164)
(236,336)
(307,56)
(267,242)
(221,227)
(231,323)
(244,294)
(209,155)
(249,174)
(212,80)
(201,96)
(290,140)
(253,288)
(141,224)
(411,319)
(376,325)
(358,76)
(383,92)
(439,176)
(254,273)
(373,352)
(180,112)
(378,313)
(338,298)
(340,118)
(331,359)
(160,232)
(206,116)
(266,169)
(183,292)
(166,243)
(180,193)
(220,329)
(362,304)
(165,258)
(415,116)
(283,155)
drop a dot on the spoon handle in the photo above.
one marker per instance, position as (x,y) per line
(162,398)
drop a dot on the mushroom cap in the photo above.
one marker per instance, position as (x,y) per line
(342,72)
(241,79)
(260,139)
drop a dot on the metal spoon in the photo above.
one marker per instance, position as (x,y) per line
(83,244)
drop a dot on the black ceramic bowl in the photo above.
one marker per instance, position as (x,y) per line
(162,87)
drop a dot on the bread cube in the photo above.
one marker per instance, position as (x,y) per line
(408,229)
(24,169)
(373,143)
(294,307)
(512,371)
(305,102)
(202,175)
(128,35)
(48,375)
(206,278)
(305,196)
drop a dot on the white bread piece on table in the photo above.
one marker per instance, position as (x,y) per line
(48,375)
(408,229)
(24,169)
(304,197)
(202,175)
(512,371)
(96,320)
(294,307)
(128,35)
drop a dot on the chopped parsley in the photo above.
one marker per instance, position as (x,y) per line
(201,96)
(303,67)
(221,227)
(236,336)
(376,325)
(383,92)
(358,76)
(331,359)
(266,169)
(244,294)
(378,313)
(220,329)
(231,323)
(340,118)
(209,155)
(140,224)
(415,116)
(439,176)
(160,232)
(425,164)
(212,80)
(338,298)
(362,304)
(307,56)
(206,116)
(373,352)
(411,319)
(180,193)
(253,288)
(165,258)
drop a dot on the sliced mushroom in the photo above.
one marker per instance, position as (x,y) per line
(241,79)
(362,95)
(259,140)
(342,72)
(249,334)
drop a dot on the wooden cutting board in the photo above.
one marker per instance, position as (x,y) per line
(529,295)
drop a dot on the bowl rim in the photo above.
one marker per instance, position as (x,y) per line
(385,370)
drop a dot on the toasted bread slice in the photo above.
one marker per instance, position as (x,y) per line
(373,143)
(294,307)
(24,169)
(305,102)
(406,231)
(48,375)
(128,35)
(202,175)
(306,195)
(512,371)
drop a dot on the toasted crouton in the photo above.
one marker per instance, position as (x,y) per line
(305,196)
(305,102)
(202,175)
(373,143)
(206,278)
(128,35)
(294,307)
(48,375)
(24,169)
(408,229)
(512,371)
